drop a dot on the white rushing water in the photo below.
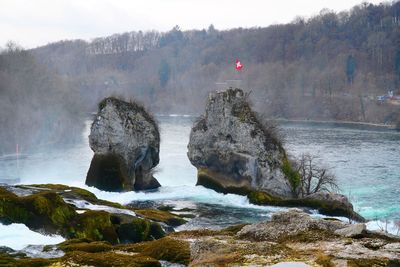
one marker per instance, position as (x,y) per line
(17,236)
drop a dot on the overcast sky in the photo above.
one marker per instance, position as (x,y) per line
(34,23)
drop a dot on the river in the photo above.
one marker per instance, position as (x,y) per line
(365,162)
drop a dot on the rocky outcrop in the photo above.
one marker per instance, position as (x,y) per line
(126,143)
(288,224)
(45,208)
(233,151)
(352,230)
(291,236)
(331,204)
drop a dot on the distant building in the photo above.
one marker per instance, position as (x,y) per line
(389,98)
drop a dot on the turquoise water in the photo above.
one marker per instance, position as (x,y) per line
(366,163)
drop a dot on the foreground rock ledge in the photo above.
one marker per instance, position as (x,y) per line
(126,144)
(291,236)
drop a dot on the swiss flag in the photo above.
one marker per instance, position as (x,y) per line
(239,65)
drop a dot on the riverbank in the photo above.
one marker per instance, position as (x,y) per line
(347,124)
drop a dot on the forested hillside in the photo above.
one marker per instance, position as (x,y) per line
(329,67)
(37,107)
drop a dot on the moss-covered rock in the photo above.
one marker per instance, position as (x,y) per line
(71,192)
(8,259)
(85,245)
(167,249)
(106,259)
(95,225)
(324,206)
(45,210)
(161,216)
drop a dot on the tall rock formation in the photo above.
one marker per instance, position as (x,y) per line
(126,143)
(233,151)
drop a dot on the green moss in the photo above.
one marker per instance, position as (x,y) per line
(264,198)
(166,208)
(167,248)
(93,225)
(74,193)
(48,211)
(106,259)
(291,174)
(40,210)
(85,245)
(135,231)
(34,262)
(331,208)
(7,260)
(156,231)
(50,206)
(161,216)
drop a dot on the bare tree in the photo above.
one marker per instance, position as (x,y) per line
(314,178)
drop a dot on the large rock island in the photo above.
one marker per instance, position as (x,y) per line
(126,143)
(235,153)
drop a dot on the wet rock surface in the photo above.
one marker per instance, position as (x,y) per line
(126,143)
(76,213)
(290,238)
(233,151)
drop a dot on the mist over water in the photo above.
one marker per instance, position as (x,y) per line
(365,162)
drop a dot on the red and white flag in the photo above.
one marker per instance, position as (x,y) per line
(239,65)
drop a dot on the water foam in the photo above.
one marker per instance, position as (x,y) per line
(17,236)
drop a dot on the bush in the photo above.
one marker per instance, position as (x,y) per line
(313,178)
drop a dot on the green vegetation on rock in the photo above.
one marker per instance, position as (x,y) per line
(161,216)
(47,211)
(292,175)
(106,259)
(85,245)
(327,207)
(167,248)
(41,210)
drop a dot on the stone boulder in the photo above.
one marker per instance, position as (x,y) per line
(287,224)
(353,230)
(126,143)
(233,151)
